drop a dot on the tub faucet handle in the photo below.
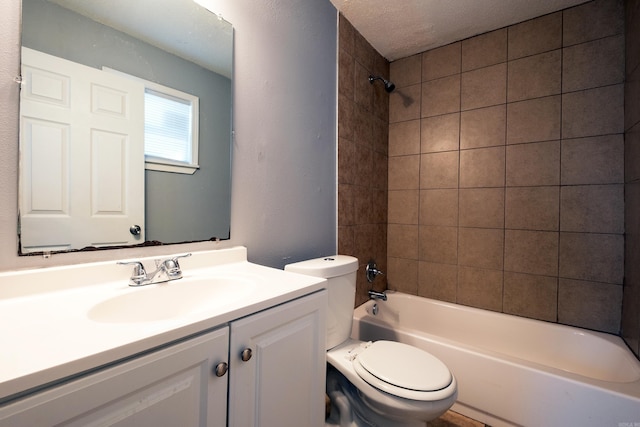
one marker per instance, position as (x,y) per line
(372,271)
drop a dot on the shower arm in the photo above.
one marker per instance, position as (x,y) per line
(388,86)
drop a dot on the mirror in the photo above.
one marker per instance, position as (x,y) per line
(83,177)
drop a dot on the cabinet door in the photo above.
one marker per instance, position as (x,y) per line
(175,386)
(283,382)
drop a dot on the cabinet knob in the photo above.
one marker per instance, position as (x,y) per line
(221,369)
(246,354)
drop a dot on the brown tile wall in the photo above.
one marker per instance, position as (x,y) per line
(363,111)
(506,160)
(631,299)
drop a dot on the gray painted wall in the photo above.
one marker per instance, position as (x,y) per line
(283,199)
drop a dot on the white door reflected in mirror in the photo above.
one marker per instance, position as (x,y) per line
(81,144)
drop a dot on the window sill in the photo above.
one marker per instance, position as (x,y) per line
(171,167)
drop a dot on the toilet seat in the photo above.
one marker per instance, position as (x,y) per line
(403,370)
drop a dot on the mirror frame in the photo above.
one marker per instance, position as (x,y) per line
(156,242)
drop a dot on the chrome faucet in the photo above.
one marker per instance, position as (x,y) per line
(372,272)
(166,270)
(378,295)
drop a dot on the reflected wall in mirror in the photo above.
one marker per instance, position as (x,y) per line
(83,178)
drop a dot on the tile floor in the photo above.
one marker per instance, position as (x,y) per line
(453,419)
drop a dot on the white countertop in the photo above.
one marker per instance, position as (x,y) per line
(47,335)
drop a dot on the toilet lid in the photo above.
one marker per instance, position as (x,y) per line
(403,366)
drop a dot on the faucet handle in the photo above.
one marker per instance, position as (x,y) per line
(372,271)
(172,266)
(139,274)
(175,258)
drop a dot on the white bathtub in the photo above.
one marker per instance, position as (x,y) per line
(512,370)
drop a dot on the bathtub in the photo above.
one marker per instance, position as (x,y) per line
(512,370)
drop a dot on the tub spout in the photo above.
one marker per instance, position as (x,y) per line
(378,295)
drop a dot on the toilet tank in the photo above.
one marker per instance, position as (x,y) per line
(340,272)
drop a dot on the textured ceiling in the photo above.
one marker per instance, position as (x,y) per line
(401,28)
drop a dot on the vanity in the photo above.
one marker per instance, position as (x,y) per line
(230,343)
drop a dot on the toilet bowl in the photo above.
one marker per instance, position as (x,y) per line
(383,383)
(394,380)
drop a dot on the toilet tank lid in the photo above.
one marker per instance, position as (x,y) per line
(325,267)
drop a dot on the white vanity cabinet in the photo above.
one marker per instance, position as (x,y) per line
(277,366)
(281,383)
(174,386)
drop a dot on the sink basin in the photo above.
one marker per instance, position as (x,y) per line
(169,300)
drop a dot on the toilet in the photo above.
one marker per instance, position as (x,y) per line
(380,383)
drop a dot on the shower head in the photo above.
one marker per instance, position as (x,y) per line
(388,86)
